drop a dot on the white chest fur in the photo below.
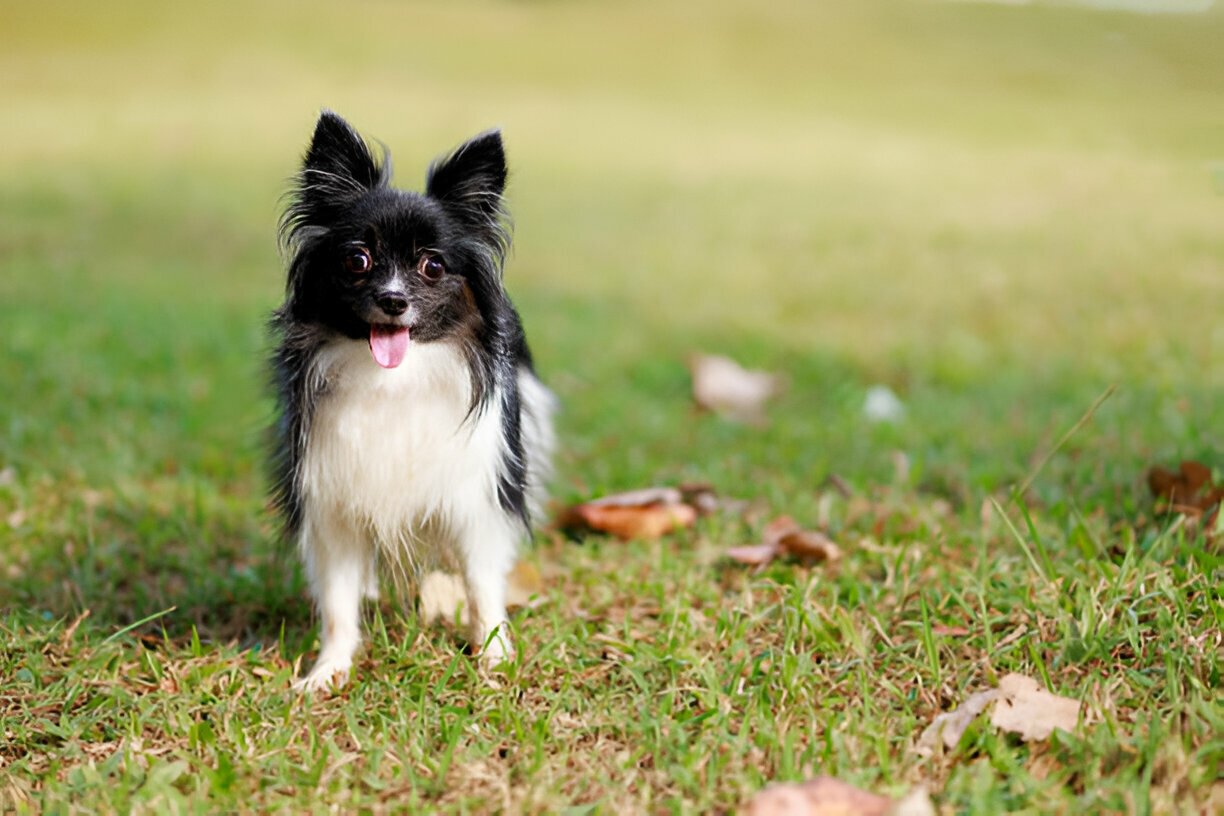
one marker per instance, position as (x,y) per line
(394,450)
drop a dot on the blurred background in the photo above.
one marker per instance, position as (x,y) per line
(994,209)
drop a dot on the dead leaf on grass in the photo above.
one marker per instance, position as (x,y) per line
(722,385)
(754,555)
(1025,708)
(784,536)
(949,727)
(1021,707)
(648,513)
(826,796)
(1188,490)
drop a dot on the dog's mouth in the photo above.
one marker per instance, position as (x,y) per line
(388,344)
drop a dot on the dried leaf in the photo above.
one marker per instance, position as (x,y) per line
(1026,709)
(1189,489)
(948,728)
(754,555)
(783,536)
(720,384)
(647,513)
(810,545)
(704,500)
(822,796)
(649,521)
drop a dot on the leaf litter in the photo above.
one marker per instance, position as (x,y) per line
(1021,707)
(1189,491)
(784,536)
(648,513)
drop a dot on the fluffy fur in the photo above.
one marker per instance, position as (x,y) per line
(413,430)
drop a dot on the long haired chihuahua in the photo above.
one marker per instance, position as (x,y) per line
(412,428)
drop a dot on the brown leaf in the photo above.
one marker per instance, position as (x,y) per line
(648,521)
(1188,488)
(948,728)
(783,536)
(754,555)
(1026,709)
(720,384)
(647,513)
(810,545)
(822,796)
(778,529)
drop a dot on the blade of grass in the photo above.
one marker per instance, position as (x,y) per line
(138,624)
(1083,420)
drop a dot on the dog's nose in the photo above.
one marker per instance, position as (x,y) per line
(393,303)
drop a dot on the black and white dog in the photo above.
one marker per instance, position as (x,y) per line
(412,431)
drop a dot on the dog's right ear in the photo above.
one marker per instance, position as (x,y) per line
(339,168)
(338,157)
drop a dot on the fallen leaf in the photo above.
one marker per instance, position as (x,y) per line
(948,728)
(647,521)
(1188,490)
(1026,709)
(784,536)
(754,555)
(822,796)
(810,545)
(778,529)
(704,500)
(722,385)
(648,513)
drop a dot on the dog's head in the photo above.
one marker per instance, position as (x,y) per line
(368,260)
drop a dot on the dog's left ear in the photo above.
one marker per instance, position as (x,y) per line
(470,181)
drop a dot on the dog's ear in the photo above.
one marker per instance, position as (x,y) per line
(470,181)
(338,169)
(340,161)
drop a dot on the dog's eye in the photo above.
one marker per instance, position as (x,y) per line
(358,261)
(431,269)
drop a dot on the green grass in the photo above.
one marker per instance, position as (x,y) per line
(999,212)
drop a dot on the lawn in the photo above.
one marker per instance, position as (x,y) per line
(999,212)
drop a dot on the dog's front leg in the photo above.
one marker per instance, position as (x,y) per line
(487,545)
(338,559)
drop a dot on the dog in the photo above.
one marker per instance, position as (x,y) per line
(412,429)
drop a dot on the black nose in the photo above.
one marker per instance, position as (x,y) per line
(393,303)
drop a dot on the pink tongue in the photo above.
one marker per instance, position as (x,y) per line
(388,344)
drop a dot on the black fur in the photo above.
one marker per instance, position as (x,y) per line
(342,202)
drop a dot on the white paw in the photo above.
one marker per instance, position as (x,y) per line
(326,674)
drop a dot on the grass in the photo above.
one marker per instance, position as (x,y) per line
(999,212)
